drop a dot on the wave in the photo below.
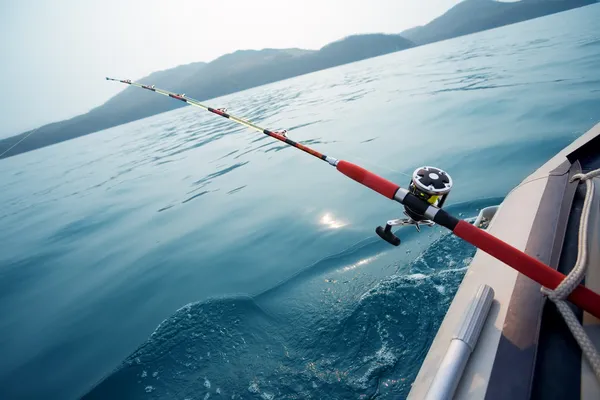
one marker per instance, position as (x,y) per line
(368,345)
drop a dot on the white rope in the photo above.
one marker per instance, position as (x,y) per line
(572,280)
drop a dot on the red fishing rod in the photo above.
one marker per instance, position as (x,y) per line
(422,201)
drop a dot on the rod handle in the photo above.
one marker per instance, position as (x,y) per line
(531,267)
(368,179)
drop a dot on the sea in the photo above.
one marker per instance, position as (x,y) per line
(183,256)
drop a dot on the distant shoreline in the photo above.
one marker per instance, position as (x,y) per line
(245,69)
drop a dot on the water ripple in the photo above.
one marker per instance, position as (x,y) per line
(220,172)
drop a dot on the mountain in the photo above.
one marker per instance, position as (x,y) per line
(472,16)
(124,107)
(245,69)
(230,73)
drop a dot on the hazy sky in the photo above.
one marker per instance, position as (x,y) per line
(55,54)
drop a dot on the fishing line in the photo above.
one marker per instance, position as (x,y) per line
(15,145)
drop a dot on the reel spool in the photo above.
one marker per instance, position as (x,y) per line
(430,184)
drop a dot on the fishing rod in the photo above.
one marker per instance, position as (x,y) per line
(423,202)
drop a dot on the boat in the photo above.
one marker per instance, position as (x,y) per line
(502,337)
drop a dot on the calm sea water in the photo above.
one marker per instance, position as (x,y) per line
(184,257)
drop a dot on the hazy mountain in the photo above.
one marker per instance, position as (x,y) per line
(472,16)
(245,69)
(227,74)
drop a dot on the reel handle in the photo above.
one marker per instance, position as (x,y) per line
(387,235)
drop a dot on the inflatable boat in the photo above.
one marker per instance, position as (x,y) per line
(506,337)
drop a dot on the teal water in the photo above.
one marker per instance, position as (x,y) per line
(184,257)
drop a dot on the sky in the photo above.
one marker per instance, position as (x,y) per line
(56,53)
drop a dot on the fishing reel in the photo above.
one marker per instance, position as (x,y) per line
(431,185)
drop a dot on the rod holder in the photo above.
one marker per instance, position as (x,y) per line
(461,346)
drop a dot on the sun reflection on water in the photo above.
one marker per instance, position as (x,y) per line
(329,221)
(357,264)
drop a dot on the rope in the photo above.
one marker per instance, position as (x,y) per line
(574,278)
